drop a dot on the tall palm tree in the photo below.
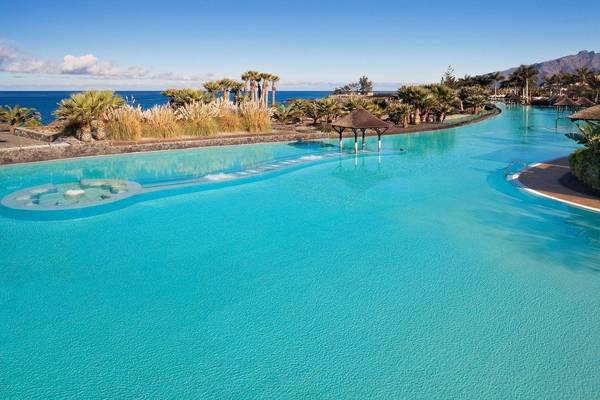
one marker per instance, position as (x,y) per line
(246,79)
(496,77)
(266,78)
(594,84)
(253,77)
(274,80)
(225,86)
(583,75)
(527,74)
(212,87)
(237,88)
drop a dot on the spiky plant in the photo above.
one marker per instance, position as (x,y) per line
(19,116)
(399,113)
(330,108)
(254,117)
(416,96)
(588,135)
(180,97)
(86,112)
(213,87)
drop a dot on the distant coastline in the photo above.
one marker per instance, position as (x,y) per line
(46,101)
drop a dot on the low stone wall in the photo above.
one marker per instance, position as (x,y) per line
(36,135)
(54,151)
(66,150)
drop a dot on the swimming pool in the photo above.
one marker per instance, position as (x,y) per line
(422,273)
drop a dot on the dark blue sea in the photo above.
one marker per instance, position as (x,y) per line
(46,101)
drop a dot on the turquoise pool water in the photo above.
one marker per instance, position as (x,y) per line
(421,274)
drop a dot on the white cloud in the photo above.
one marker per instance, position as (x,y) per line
(13,60)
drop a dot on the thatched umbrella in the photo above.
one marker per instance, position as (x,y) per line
(589,114)
(360,120)
(566,102)
(584,102)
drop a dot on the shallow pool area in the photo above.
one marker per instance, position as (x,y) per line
(291,270)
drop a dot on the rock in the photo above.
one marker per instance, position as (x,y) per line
(38,191)
(72,193)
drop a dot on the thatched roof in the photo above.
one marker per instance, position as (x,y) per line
(566,102)
(584,102)
(589,114)
(360,119)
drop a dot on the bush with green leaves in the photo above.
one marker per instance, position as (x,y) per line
(474,97)
(399,113)
(20,116)
(85,112)
(182,97)
(585,162)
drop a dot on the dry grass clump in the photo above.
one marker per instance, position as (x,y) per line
(254,117)
(197,119)
(194,119)
(124,123)
(159,122)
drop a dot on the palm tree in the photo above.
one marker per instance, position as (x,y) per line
(312,110)
(181,97)
(86,112)
(588,135)
(496,77)
(583,75)
(330,108)
(526,75)
(225,86)
(18,116)
(399,113)
(274,80)
(416,96)
(246,79)
(237,88)
(473,96)
(594,84)
(212,87)
(446,99)
(266,78)
(253,77)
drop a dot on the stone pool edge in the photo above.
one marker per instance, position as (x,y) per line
(543,189)
(60,151)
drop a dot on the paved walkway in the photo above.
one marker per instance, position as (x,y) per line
(8,141)
(553,179)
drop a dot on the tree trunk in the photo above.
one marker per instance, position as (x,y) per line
(266,94)
(259,97)
(273,90)
(84,133)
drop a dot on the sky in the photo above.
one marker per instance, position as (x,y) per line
(310,45)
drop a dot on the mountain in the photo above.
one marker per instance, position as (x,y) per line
(568,64)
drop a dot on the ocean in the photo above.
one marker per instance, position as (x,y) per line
(46,101)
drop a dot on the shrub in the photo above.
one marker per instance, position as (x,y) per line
(198,119)
(20,116)
(124,123)
(159,122)
(254,117)
(181,97)
(585,165)
(84,110)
